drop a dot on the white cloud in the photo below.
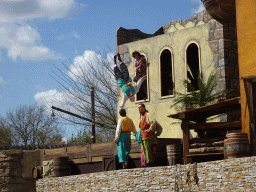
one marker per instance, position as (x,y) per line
(82,62)
(20,39)
(200,7)
(23,41)
(22,10)
(49,98)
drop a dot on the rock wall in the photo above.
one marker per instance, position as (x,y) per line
(16,170)
(226,175)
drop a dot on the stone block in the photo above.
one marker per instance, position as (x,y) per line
(205,18)
(193,18)
(211,34)
(218,33)
(175,21)
(222,72)
(10,188)
(214,45)
(13,180)
(2,155)
(184,22)
(200,16)
(5,172)
(216,59)
(12,158)
(221,63)
(222,53)
(213,24)
(218,25)
(123,49)
(221,43)
(13,152)
(9,164)
(15,172)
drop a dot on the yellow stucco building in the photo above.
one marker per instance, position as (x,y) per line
(175,52)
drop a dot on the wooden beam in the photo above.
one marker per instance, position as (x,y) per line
(206,150)
(209,110)
(89,154)
(217,125)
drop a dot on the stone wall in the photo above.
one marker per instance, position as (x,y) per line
(225,175)
(16,170)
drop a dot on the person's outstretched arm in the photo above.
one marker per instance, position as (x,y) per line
(118,130)
(134,130)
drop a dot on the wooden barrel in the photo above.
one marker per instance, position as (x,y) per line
(61,166)
(37,172)
(225,149)
(237,145)
(174,154)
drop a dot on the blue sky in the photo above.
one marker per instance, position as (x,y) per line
(36,35)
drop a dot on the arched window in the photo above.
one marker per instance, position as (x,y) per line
(193,68)
(166,73)
(143,93)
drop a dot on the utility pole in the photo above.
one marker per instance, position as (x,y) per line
(92,120)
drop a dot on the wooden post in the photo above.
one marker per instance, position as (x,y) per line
(93,115)
(185,129)
(250,91)
(89,153)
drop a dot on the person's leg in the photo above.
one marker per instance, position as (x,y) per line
(139,83)
(147,150)
(153,147)
(126,149)
(125,72)
(118,74)
(121,152)
(137,77)
(142,158)
(123,69)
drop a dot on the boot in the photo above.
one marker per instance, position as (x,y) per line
(115,59)
(119,57)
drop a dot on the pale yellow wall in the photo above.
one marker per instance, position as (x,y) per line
(177,41)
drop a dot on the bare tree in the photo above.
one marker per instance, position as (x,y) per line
(29,124)
(5,134)
(95,72)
